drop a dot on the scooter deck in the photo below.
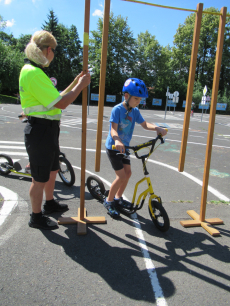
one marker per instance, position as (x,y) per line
(22,171)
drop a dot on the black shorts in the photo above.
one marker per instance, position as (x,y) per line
(117,160)
(42,146)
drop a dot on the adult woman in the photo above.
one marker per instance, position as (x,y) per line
(42,103)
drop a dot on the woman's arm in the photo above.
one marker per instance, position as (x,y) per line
(72,85)
(72,94)
(153,127)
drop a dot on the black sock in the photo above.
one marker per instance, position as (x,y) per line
(36,216)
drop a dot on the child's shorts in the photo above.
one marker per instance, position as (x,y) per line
(117,160)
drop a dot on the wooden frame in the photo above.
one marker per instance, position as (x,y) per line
(82,219)
(199,220)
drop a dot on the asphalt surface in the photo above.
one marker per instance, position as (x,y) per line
(129,261)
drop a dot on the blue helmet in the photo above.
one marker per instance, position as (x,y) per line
(135,87)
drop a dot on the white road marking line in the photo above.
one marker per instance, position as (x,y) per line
(159,296)
(12,147)
(14,142)
(191,177)
(11,200)
(197,143)
(10,117)
(14,153)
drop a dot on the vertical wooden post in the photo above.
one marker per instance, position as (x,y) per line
(102,84)
(215,87)
(195,45)
(84,109)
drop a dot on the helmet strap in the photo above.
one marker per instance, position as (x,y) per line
(127,103)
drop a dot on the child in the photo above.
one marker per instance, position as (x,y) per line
(122,122)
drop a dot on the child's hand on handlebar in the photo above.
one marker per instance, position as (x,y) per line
(119,146)
(161,131)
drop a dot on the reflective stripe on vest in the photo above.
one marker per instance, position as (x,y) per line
(35,111)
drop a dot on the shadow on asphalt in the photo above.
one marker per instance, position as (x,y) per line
(116,266)
(183,249)
(113,264)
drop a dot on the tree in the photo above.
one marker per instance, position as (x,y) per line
(68,54)
(153,64)
(206,52)
(2,23)
(11,62)
(22,42)
(120,54)
(8,39)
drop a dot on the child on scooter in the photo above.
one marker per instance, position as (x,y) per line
(122,122)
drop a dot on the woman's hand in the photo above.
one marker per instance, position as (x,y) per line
(83,79)
(78,77)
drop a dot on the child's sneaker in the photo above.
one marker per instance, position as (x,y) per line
(122,203)
(110,206)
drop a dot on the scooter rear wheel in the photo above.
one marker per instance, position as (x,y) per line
(66,171)
(5,162)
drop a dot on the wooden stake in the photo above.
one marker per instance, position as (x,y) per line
(199,220)
(195,45)
(215,87)
(102,84)
(84,109)
(81,219)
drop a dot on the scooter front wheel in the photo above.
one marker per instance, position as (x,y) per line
(96,187)
(159,217)
(5,163)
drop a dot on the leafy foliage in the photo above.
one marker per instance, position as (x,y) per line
(2,23)
(68,54)
(11,62)
(142,57)
(120,54)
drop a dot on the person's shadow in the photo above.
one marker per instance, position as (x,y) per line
(183,250)
(115,264)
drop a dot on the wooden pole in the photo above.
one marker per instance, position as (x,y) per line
(199,220)
(215,87)
(195,45)
(81,219)
(102,84)
(84,109)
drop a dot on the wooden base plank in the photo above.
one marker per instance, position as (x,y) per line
(95,220)
(81,228)
(193,214)
(68,220)
(190,223)
(82,224)
(211,230)
(207,224)
(214,221)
